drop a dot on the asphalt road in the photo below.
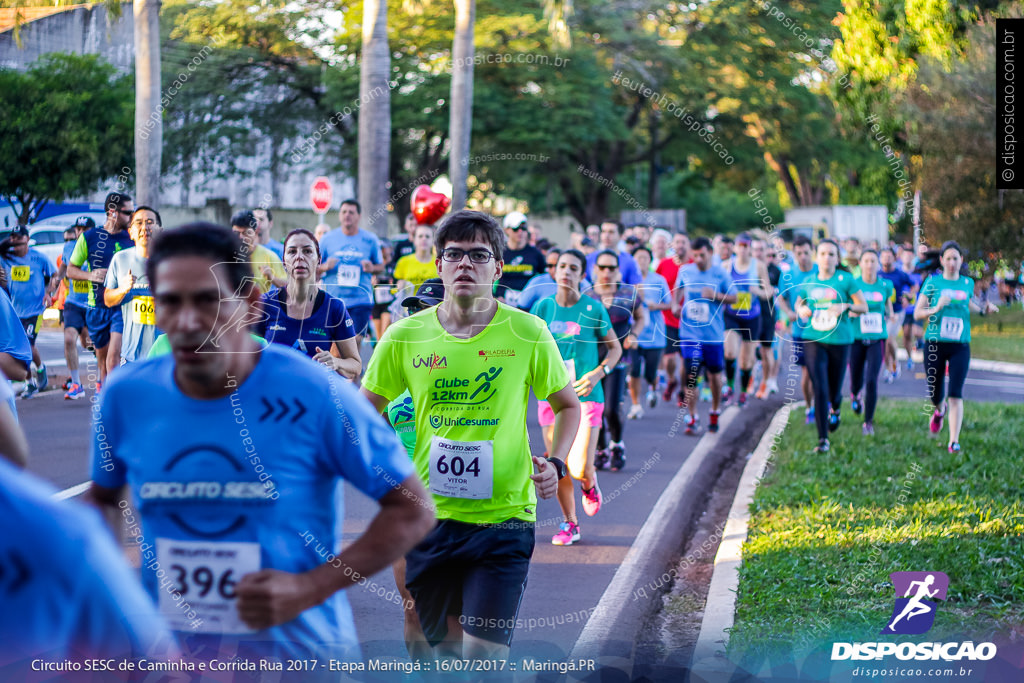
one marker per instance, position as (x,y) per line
(565,583)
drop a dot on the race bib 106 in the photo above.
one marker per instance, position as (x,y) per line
(461,469)
(143,310)
(204,574)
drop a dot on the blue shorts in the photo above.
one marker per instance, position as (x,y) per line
(798,355)
(360,317)
(99,321)
(117,321)
(710,354)
(476,572)
(74,316)
(31,326)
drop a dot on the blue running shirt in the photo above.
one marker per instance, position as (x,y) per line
(78,290)
(747,306)
(329,322)
(66,588)
(229,486)
(655,291)
(27,277)
(137,306)
(701,319)
(347,280)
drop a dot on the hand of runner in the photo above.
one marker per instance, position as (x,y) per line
(271,597)
(942,302)
(324,357)
(991,308)
(804,311)
(837,309)
(546,478)
(267,272)
(98,275)
(707,293)
(585,384)
(367,265)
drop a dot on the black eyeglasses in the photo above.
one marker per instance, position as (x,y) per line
(125,212)
(600,267)
(552,265)
(453,255)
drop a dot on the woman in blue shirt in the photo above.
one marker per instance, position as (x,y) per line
(307,318)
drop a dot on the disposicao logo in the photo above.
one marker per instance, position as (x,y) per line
(913,614)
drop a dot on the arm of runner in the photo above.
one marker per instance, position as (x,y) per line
(568,412)
(989,307)
(106,500)
(343,358)
(380,404)
(271,597)
(585,384)
(113,297)
(766,291)
(13,445)
(802,309)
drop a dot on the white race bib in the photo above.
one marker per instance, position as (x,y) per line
(461,469)
(951,329)
(382,294)
(570,365)
(698,311)
(348,276)
(823,320)
(871,323)
(204,574)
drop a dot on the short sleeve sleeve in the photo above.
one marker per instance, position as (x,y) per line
(81,252)
(548,373)
(384,375)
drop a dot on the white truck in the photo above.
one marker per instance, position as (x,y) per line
(866,223)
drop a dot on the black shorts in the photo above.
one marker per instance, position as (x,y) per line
(671,340)
(377,310)
(748,328)
(798,353)
(476,572)
(31,326)
(648,359)
(766,330)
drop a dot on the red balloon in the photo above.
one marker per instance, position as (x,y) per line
(428,206)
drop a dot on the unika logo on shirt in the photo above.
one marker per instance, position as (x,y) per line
(431,362)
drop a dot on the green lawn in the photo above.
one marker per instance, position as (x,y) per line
(826,531)
(999,336)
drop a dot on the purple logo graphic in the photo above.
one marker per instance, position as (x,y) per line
(914,612)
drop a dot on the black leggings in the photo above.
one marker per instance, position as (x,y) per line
(870,354)
(936,355)
(826,364)
(613,384)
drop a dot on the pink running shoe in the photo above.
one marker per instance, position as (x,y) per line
(591,499)
(568,533)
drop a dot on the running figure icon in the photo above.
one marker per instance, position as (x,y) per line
(914,590)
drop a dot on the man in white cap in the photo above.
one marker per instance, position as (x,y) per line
(522,261)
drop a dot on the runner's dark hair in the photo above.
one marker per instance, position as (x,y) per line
(205,240)
(802,240)
(578,255)
(467,226)
(115,200)
(142,207)
(700,243)
(354,203)
(244,219)
(607,252)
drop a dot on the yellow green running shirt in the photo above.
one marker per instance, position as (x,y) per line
(470,398)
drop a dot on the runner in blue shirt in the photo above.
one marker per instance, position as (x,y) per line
(32,284)
(235,477)
(645,357)
(68,592)
(74,311)
(305,317)
(351,257)
(128,286)
(700,295)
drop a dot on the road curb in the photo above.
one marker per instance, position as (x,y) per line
(610,633)
(709,662)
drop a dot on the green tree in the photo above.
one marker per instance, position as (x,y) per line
(67,127)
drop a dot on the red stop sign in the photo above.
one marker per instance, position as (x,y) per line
(321,195)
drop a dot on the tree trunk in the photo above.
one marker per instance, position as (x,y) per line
(149,128)
(461,100)
(375,117)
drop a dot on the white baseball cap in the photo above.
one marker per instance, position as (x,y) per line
(514,220)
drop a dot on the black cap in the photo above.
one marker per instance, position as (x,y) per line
(20,230)
(84,222)
(430,293)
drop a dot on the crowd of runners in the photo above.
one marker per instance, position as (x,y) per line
(231,400)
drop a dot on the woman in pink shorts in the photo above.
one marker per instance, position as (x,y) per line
(581,327)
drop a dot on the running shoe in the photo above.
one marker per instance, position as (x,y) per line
(652,398)
(809,416)
(726,394)
(669,390)
(868,429)
(66,385)
(762,391)
(568,533)
(742,401)
(601,459)
(936,423)
(712,421)
(618,459)
(74,392)
(823,446)
(773,386)
(591,500)
(691,425)
(910,364)
(30,390)
(635,412)
(42,381)
(99,385)
(833,421)
(855,404)
(705,394)
(954,448)
(890,377)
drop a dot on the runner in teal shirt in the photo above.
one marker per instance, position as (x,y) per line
(870,330)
